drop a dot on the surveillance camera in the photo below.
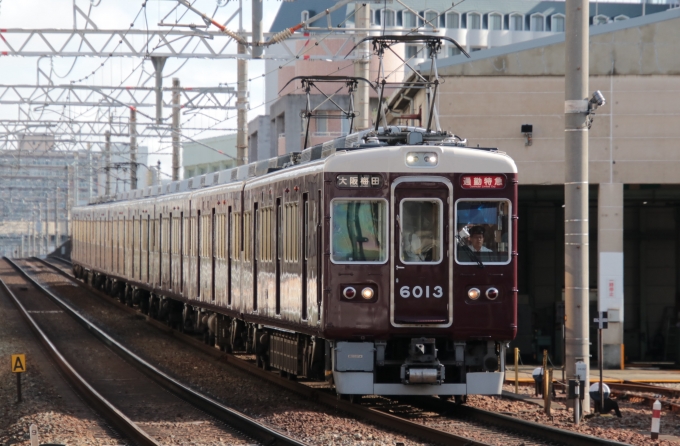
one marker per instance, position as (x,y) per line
(598,99)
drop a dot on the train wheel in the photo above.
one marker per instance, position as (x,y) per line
(460,399)
(354,399)
(144,305)
(444,397)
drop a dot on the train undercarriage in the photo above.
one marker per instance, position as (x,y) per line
(400,366)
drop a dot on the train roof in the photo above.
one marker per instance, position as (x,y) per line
(388,140)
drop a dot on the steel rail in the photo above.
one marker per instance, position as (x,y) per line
(513,424)
(378,417)
(114,416)
(374,415)
(239,421)
(647,388)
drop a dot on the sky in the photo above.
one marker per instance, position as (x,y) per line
(119,15)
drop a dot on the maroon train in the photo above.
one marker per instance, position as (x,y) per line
(387,267)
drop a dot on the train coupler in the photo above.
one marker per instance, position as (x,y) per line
(422,365)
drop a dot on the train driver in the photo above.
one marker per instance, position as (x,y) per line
(471,247)
(477,239)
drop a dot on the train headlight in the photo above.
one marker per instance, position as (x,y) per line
(349,292)
(492,293)
(422,159)
(474,293)
(367,293)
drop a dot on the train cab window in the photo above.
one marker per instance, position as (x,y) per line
(359,231)
(483,231)
(420,231)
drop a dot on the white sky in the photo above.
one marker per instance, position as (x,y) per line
(119,14)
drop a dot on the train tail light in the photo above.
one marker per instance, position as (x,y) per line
(492,293)
(349,292)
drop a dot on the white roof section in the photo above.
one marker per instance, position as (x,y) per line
(443,64)
(393,159)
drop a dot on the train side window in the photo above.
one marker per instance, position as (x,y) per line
(483,231)
(420,230)
(359,231)
(246,236)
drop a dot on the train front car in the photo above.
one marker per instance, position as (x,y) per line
(420,289)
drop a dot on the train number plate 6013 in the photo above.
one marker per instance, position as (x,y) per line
(418,291)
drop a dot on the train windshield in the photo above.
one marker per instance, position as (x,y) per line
(421,231)
(359,231)
(483,231)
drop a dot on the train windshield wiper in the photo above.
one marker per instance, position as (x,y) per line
(467,249)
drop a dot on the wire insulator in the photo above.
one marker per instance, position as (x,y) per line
(283,35)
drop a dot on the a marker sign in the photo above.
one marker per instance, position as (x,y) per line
(18,363)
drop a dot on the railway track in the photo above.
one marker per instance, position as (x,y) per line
(668,397)
(146,405)
(395,414)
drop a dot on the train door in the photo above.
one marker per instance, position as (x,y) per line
(421,260)
(199,253)
(213,247)
(279,252)
(255,257)
(230,254)
(305,236)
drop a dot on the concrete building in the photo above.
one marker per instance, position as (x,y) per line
(121,169)
(208,155)
(33,181)
(475,24)
(634,175)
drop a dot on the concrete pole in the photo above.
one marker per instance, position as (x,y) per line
(258,36)
(175,129)
(32,233)
(361,68)
(67,208)
(56,218)
(242,109)
(107,162)
(90,172)
(576,189)
(158,64)
(133,148)
(42,228)
(47,226)
(21,252)
(76,191)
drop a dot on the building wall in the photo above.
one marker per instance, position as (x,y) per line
(208,155)
(634,137)
(633,141)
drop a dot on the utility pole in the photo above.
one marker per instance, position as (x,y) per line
(40,234)
(133,148)
(56,218)
(257,35)
(67,206)
(76,192)
(361,67)
(107,162)
(242,109)
(576,189)
(158,64)
(90,172)
(32,232)
(175,129)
